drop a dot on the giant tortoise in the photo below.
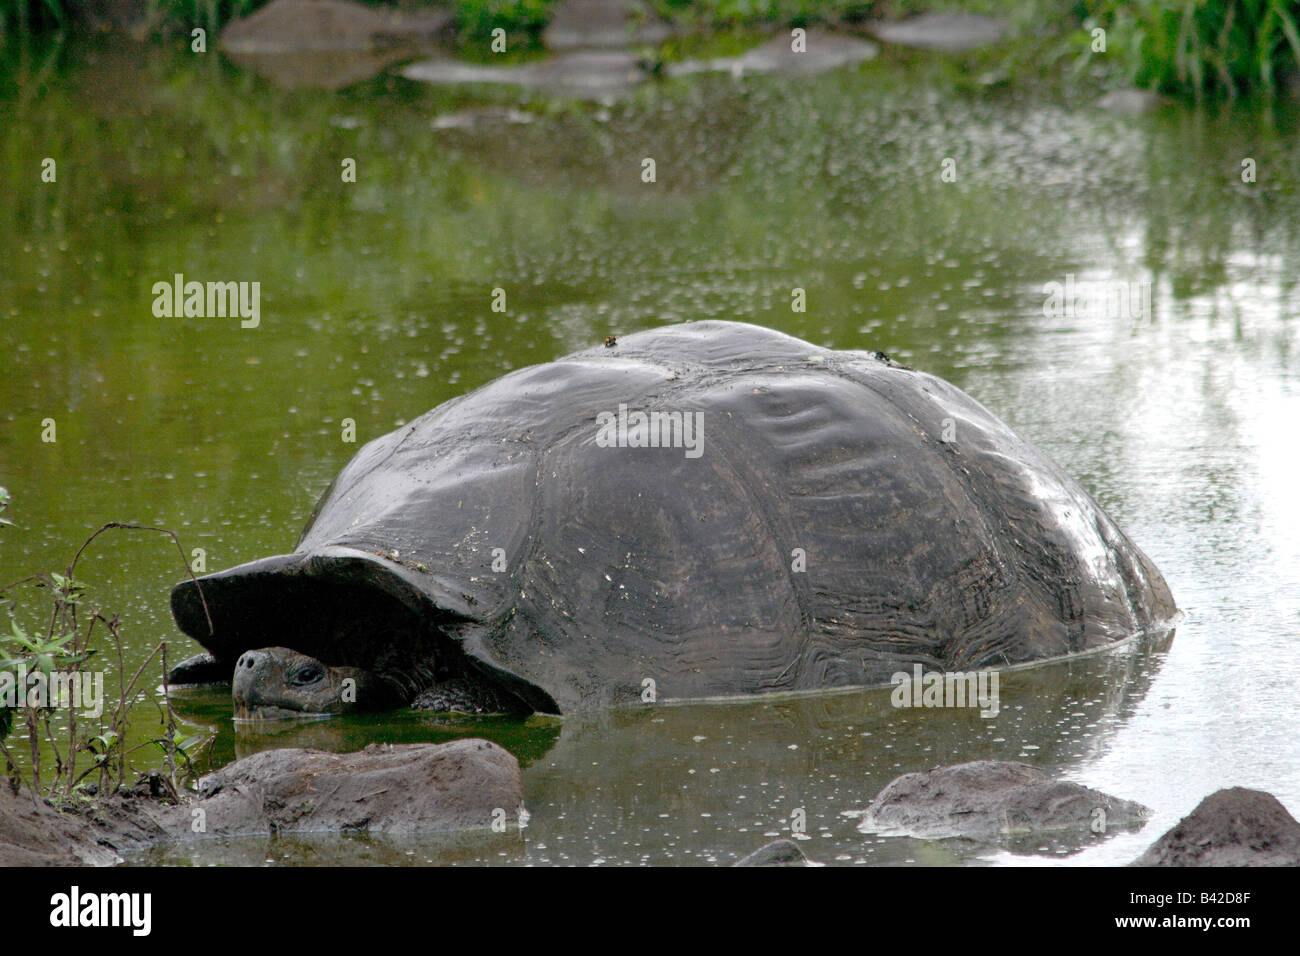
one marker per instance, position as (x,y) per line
(702,510)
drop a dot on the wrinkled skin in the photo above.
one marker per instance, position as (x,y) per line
(279,682)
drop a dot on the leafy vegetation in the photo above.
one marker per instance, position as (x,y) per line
(478,18)
(1200,46)
(44,672)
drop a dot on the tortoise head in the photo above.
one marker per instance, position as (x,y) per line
(303,634)
(273,682)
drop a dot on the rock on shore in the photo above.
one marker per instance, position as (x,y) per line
(1232,827)
(385,788)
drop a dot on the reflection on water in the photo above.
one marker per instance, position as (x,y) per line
(711,782)
(376,305)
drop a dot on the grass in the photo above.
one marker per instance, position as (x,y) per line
(477,19)
(1199,47)
(50,647)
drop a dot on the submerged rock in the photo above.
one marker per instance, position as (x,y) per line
(1232,827)
(777,853)
(588,74)
(385,788)
(821,53)
(993,799)
(603,24)
(328,44)
(319,70)
(303,26)
(947,32)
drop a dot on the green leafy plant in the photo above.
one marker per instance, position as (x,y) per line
(476,19)
(1199,47)
(57,761)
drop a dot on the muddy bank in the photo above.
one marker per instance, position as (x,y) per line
(32,833)
(385,788)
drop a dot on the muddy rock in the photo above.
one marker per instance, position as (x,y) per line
(1233,827)
(306,26)
(777,853)
(386,788)
(319,70)
(993,799)
(329,44)
(945,32)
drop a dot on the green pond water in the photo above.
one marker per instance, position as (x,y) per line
(1181,417)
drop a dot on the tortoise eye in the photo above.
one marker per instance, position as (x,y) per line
(308,674)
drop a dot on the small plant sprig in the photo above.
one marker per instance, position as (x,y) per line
(64,647)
